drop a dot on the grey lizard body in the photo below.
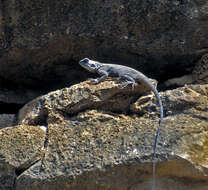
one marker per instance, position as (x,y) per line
(130,75)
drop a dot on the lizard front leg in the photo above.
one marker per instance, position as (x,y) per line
(129,80)
(103,74)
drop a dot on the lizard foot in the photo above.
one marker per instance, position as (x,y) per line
(94,81)
(125,84)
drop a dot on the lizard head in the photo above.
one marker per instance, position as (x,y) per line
(90,65)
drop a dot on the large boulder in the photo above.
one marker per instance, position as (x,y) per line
(98,138)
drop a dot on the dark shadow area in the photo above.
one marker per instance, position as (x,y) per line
(9,108)
(19,171)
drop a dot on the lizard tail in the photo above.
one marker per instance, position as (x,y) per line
(159,125)
(148,82)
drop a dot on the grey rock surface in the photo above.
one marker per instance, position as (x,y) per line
(7,120)
(41,42)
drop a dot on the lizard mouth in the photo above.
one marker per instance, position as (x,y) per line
(85,66)
(84,62)
(88,65)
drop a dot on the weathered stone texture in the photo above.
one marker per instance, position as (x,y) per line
(21,147)
(100,136)
(42,40)
(93,146)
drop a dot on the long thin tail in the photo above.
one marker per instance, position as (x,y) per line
(148,82)
(159,126)
(156,137)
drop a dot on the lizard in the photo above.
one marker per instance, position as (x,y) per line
(131,76)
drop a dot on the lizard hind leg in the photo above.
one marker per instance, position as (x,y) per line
(129,81)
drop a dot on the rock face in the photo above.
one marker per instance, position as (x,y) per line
(40,42)
(21,147)
(96,140)
(7,120)
(199,74)
(93,137)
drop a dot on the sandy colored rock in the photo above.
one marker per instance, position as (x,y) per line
(21,147)
(106,96)
(99,148)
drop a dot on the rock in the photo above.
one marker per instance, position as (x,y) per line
(21,147)
(93,144)
(41,42)
(101,137)
(7,120)
(106,96)
(199,74)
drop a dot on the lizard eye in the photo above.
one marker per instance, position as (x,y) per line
(85,60)
(93,65)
